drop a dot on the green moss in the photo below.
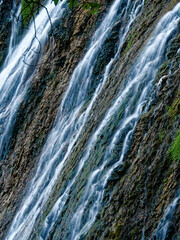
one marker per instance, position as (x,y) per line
(162,134)
(130,42)
(163,66)
(40,139)
(173,109)
(174,150)
(163,70)
(115,234)
(55,83)
(117,231)
(79,193)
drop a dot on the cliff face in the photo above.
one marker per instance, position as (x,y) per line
(141,188)
(138,194)
(39,108)
(5,27)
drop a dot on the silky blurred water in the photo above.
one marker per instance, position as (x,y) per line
(71,119)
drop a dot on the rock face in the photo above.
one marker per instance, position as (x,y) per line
(142,193)
(140,190)
(5,28)
(39,108)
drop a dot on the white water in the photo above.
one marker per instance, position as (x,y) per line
(139,82)
(58,206)
(14,30)
(69,124)
(138,85)
(15,74)
(65,132)
(166,221)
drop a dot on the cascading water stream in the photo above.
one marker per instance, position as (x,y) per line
(14,29)
(134,96)
(56,210)
(67,128)
(16,74)
(163,226)
(142,75)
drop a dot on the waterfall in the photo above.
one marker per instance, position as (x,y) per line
(166,221)
(138,87)
(126,110)
(14,30)
(58,206)
(19,66)
(69,122)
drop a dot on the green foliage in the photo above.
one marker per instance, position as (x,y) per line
(72,3)
(31,7)
(88,5)
(28,9)
(56,2)
(93,7)
(174,151)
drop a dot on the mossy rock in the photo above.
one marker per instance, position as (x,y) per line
(174,150)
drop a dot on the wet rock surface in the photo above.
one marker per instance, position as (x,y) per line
(126,209)
(5,28)
(138,201)
(139,191)
(38,110)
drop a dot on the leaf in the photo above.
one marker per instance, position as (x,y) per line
(86,6)
(56,2)
(72,3)
(92,6)
(93,11)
